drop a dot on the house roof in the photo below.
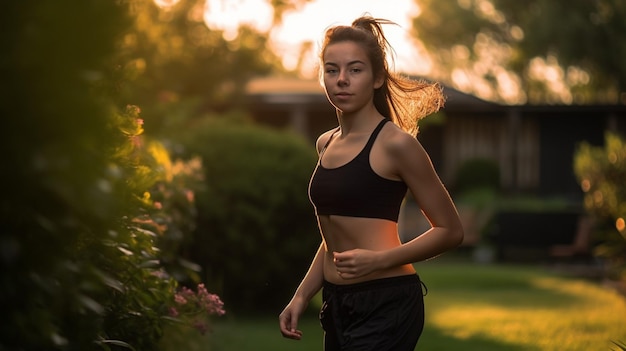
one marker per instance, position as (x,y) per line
(457,100)
(282,90)
(283,85)
(285,91)
(288,90)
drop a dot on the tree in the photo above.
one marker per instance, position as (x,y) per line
(533,51)
(181,69)
(80,268)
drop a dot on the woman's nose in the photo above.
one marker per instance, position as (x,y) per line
(342,79)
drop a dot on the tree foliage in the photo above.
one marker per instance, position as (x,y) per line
(54,171)
(535,51)
(601,172)
(80,227)
(181,69)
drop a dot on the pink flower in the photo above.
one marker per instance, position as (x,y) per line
(180,299)
(173,312)
(202,327)
(196,308)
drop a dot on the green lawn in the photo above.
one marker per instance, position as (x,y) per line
(475,307)
(468,307)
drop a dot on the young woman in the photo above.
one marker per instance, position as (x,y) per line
(372,296)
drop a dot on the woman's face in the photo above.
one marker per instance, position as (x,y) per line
(348,77)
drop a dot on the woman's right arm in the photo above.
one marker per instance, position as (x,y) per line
(310,285)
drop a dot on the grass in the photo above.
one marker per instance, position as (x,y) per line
(468,307)
(518,308)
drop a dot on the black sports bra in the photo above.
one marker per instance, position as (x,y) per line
(354,189)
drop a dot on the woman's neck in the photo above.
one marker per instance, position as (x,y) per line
(358,122)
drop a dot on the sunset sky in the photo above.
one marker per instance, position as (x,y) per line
(309,22)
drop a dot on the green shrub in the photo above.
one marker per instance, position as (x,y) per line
(80,270)
(478,173)
(59,197)
(601,172)
(142,252)
(256,230)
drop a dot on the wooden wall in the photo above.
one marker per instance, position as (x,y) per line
(510,141)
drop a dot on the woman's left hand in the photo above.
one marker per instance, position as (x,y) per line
(356,263)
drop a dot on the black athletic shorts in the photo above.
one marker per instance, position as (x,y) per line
(379,315)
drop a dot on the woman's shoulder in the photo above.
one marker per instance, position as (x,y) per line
(402,146)
(324,138)
(395,139)
(404,152)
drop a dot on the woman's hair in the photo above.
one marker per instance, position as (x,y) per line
(402,99)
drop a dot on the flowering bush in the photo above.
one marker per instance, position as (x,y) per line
(601,172)
(195,309)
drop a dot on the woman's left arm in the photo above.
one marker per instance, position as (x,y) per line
(411,163)
(416,169)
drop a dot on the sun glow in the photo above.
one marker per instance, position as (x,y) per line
(228,15)
(165,3)
(296,38)
(550,72)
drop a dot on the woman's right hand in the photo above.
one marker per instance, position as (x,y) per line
(288,319)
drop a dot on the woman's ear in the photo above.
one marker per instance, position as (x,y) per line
(378,82)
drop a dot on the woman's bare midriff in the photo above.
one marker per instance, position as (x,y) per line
(346,233)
